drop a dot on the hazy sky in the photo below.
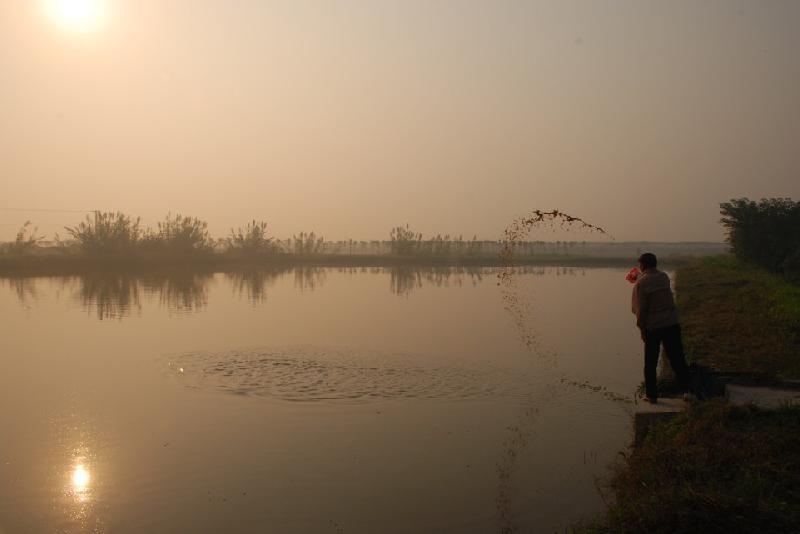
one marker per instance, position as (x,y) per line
(350,117)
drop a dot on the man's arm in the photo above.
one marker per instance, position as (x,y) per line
(639,307)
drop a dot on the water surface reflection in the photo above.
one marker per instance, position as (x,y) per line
(301,397)
(119,295)
(80,482)
(77,500)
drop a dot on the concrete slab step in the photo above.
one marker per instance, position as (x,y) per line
(762,397)
(766,397)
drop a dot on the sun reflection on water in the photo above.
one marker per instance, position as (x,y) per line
(80,480)
(77,472)
(80,496)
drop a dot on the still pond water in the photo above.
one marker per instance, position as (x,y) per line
(312,400)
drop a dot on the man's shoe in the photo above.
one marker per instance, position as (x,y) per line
(651,401)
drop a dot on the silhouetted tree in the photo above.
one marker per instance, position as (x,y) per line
(766,232)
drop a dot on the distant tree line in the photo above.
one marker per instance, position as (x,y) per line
(118,234)
(405,242)
(766,232)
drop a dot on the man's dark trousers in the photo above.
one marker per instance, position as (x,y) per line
(670,336)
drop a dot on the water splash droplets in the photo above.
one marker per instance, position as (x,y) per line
(516,233)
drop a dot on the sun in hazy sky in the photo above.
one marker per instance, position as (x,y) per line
(76,15)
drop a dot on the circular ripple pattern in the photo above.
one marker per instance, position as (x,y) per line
(303,373)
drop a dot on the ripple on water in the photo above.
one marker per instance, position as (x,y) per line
(312,373)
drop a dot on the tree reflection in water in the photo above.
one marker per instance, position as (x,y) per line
(405,279)
(253,283)
(109,296)
(24,287)
(116,295)
(309,277)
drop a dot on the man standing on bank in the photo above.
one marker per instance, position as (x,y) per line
(657,320)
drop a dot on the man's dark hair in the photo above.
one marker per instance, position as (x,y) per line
(648,260)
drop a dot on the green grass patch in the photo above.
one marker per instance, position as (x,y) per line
(714,468)
(739,318)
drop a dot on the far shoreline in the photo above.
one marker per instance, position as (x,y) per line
(55,264)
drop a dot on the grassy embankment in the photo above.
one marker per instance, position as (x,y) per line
(740,319)
(719,468)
